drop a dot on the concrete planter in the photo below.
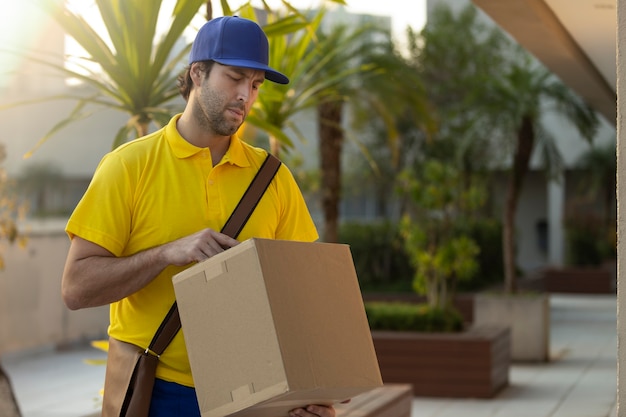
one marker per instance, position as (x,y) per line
(469,364)
(527,315)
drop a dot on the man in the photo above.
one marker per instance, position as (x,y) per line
(155,205)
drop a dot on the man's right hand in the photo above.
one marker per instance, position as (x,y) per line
(197,247)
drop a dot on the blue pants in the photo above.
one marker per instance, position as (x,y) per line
(172,400)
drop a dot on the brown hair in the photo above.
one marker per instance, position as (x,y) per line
(184,80)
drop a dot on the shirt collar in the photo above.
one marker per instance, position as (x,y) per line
(183,149)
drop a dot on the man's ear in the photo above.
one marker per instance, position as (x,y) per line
(196,73)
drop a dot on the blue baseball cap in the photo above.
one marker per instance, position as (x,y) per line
(235,41)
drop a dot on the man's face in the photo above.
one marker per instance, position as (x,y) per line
(225,97)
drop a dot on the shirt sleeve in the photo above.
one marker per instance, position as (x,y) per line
(103,215)
(295,221)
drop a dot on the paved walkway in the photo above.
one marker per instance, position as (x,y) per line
(579,381)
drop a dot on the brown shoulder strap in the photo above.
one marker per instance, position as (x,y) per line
(171,323)
(252,196)
(166,331)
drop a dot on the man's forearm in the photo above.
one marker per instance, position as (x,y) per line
(101,279)
(93,276)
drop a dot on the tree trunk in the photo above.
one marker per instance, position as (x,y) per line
(8,402)
(209,10)
(143,128)
(329,114)
(521,161)
(274,146)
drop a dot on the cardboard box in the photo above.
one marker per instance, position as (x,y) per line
(274,325)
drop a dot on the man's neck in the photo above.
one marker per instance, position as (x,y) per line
(203,138)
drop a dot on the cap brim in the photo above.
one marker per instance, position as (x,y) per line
(270,73)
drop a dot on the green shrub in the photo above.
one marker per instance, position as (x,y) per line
(589,241)
(382,264)
(487,233)
(401,316)
(379,258)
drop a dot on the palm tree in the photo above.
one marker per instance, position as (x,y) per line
(600,165)
(458,56)
(386,90)
(323,69)
(342,48)
(523,95)
(277,105)
(489,96)
(136,74)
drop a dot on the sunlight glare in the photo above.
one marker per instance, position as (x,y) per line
(20,30)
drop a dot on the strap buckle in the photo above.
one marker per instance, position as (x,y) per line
(151,353)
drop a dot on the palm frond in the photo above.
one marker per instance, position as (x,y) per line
(136,71)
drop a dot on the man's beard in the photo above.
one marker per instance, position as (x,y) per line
(209,113)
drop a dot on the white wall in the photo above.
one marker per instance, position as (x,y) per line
(32,313)
(76,149)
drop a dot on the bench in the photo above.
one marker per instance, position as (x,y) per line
(391,400)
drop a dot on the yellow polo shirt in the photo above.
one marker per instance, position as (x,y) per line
(159,188)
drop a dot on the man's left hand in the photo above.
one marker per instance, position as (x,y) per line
(313,411)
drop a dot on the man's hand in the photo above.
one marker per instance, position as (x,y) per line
(313,411)
(196,247)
